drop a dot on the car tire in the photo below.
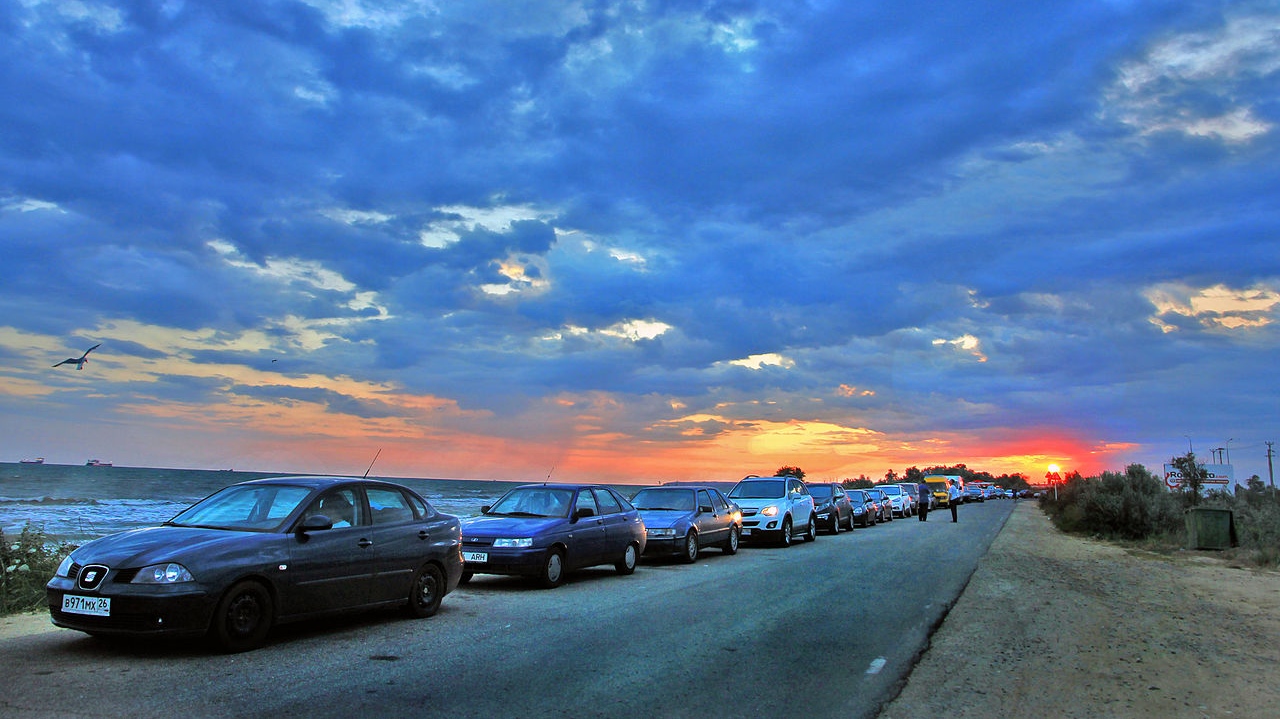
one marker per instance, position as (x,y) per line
(785,539)
(630,555)
(242,618)
(551,574)
(690,553)
(835,524)
(811,534)
(426,592)
(730,545)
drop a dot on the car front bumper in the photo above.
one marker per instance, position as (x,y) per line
(175,611)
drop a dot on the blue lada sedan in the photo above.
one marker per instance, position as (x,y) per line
(544,531)
(260,553)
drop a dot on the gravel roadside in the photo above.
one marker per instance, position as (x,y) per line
(1052,625)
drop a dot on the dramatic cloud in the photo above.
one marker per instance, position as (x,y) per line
(639,241)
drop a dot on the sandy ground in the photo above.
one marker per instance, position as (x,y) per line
(1052,626)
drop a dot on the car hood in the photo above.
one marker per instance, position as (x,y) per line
(663,518)
(185,545)
(499,526)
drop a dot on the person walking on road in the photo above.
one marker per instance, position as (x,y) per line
(926,496)
(953,496)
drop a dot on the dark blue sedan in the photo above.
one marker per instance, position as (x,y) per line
(682,519)
(545,530)
(261,553)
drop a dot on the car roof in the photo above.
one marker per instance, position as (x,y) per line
(318,482)
(562,485)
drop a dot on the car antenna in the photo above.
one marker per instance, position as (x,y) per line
(548,479)
(375,459)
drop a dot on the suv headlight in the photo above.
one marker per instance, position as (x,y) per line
(171,573)
(770,511)
(520,542)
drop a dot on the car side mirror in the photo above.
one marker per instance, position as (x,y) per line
(582,512)
(315,523)
(484,508)
(706,508)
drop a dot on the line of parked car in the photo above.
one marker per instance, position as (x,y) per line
(270,551)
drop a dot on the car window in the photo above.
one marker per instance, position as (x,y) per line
(820,491)
(608,504)
(260,507)
(704,499)
(586,502)
(718,501)
(341,506)
(388,506)
(424,510)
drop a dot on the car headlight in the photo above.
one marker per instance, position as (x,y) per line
(171,573)
(655,532)
(521,542)
(770,511)
(64,569)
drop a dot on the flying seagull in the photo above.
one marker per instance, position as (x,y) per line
(79,361)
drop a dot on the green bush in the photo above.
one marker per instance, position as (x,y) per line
(29,563)
(1136,506)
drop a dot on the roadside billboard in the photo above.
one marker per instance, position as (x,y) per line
(1220,477)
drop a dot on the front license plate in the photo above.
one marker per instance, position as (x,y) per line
(746,532)
(92,606)
(475,556)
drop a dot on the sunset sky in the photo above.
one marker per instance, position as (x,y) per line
(639,241)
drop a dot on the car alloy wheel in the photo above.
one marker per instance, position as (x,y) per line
(731,544)
(786,532)
(690,554)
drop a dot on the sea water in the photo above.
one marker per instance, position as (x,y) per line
(75,503)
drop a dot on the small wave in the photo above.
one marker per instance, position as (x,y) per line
(48,501)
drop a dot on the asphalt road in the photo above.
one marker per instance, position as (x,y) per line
(825,629)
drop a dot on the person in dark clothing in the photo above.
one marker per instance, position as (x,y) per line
(926,496)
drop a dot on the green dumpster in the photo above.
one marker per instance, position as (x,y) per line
(1210,528)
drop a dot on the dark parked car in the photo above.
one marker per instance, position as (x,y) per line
(864,508)
(682,519)
(884,507)
(832,505)
(260,553)
(545,530)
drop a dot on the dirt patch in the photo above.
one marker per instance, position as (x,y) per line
(1053,625)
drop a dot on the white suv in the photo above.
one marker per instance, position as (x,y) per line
(898,498)
(775,508)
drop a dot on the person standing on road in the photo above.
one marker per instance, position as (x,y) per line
(926,496)
(953,497)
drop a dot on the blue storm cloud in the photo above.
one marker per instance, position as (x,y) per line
(1061,215)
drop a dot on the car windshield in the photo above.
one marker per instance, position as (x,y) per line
(535,502)
(857,495)
(820,491)
(681,500)
(759,489)
(252,507)
(891,489)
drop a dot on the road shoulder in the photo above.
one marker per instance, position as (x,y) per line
(1052,625)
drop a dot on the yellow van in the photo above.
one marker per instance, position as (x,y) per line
(938,486)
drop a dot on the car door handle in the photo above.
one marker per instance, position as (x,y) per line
(423,534)
(364,543)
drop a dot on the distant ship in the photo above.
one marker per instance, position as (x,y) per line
(37,460)
(97,463)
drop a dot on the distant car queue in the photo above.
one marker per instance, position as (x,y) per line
(270,551)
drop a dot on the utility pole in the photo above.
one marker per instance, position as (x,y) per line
(1271,474)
